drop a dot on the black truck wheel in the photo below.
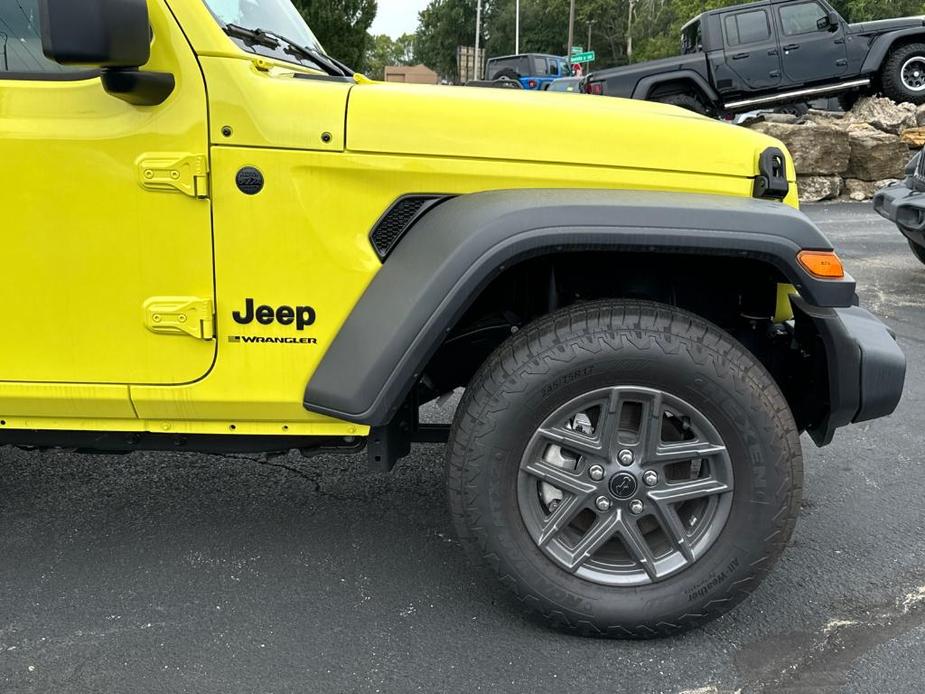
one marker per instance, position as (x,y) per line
(626,468)
(691,103)
(903,75)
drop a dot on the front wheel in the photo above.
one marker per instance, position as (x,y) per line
(626,468)
(903,76)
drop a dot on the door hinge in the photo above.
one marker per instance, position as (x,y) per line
(172,171)
(180,315)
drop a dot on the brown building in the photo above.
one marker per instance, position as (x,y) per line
(412,74)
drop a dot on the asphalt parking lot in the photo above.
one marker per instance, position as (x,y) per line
(186,573)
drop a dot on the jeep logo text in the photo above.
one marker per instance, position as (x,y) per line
(302,316)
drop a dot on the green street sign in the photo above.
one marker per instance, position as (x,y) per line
(588,57)
(578,49)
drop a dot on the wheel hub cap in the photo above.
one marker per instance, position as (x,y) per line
(644,532)
(623,486)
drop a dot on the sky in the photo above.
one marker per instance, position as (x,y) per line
(397,17)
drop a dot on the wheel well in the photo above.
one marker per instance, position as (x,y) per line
(679,86)
(737,294)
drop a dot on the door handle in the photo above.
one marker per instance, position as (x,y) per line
(740,56)
(792,47)
(773,51)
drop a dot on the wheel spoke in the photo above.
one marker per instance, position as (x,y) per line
(557,477)
(685,491)
(637,546)
(668,518)
(679,452)
(560,518)
(609,424)
(596,537)
(572,440)
(650,429)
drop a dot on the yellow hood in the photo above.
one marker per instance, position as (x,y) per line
(515,125)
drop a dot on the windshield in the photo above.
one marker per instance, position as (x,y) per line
(517,64)
(276,16)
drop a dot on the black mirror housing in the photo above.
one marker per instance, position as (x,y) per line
(101,33)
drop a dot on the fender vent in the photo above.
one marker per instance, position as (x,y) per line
(398,219)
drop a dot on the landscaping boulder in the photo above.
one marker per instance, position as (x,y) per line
(876,155)
(914,137)
(884,114)
(864,190)
(920,115)
(819,188)
(818,150)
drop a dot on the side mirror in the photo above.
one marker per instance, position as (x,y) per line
(114,35)
(830,22)
(103,33)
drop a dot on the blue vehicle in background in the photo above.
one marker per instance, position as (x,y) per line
(532,70)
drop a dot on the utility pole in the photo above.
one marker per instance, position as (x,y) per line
(517,28)
(629,31)
(478,37)
(590,24)
(571,31)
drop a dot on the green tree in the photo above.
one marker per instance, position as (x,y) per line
(382,51)
(342,26)
(443,26)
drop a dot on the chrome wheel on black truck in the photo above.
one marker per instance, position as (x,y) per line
(627,468)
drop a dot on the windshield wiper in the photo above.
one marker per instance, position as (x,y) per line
(270,39)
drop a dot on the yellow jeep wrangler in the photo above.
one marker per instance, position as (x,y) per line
(218,238)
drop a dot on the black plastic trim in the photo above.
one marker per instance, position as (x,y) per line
(771,182)
(383,239)
(646,85)
(139,87)
(866,367)
(882,45)
(324,78)
(452,253)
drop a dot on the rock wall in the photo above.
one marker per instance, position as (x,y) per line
(848,155)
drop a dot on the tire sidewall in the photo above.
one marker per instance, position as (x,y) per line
(894,86)
(685,368)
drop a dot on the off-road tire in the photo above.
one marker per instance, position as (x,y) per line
(610,343)
(891,74)
(918,251)
(508,73)
(686,101)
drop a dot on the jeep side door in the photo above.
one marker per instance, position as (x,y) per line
(752,57)
(106,229)
(811,50)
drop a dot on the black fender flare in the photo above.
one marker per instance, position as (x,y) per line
(451,253)
(882,45)
(645,86)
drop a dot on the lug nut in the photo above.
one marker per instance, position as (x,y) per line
(602,503)
(596,473)
(650,478)
(636,507)
(626,457)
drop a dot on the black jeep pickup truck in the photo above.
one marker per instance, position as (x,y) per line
(775,52)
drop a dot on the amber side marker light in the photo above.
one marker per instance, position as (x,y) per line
(824,264)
